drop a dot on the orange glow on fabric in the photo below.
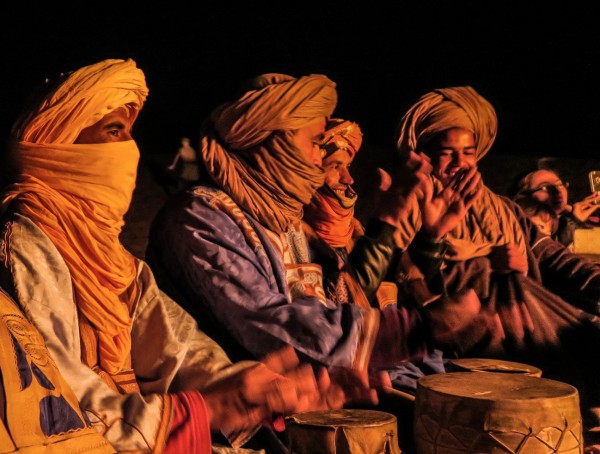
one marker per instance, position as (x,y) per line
(82,212)
(78,193)
(104,173)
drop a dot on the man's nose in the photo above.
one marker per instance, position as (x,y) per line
(346,178)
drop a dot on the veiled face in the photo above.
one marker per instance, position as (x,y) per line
(308,140)
(113,127)
(453,150)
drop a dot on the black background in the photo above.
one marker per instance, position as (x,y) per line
(538,64)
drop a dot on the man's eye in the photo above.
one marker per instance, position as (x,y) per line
(114,132)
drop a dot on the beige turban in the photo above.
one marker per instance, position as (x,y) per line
(248,146)
(342,135)
(275,102)
(445,108)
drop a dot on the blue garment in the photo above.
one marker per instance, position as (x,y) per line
(219,264)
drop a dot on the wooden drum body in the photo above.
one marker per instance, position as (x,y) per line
(474,412)
(344,431)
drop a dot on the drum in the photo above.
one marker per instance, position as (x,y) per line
(491,365)
(345,431)
(475,412)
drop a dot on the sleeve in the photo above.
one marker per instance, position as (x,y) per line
(169,353)
(190,429)
(371,256)
(567,223)
(570,276)
(204,250)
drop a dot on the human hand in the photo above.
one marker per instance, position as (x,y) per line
(410,180)
(442,212)
(583,209)
(262,393)
(460,322)
(507,258)
(358,387)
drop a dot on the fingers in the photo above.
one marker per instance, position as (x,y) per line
(526,317)
(282,360)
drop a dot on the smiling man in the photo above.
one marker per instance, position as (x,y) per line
(547,298)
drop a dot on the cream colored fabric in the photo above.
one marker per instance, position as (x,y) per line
(169,354)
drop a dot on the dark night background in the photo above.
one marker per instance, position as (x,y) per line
(539,65)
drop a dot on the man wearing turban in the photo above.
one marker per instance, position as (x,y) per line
(546,297)
(145,376)
(234,249)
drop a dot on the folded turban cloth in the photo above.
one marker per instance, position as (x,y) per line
(341,135)
(445,108)
(247,146)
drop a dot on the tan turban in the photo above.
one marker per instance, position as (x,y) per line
(342,135)
(445,108)
(248,150)
(78,193)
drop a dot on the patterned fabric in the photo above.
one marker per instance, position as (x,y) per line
(341,135)
(40,408)
(170,353)
(205,247)
(303,278)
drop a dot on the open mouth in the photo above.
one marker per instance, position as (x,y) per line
(346,196)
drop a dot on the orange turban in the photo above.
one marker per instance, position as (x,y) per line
(445,108)
(82,99)
(342,135)
(78,193)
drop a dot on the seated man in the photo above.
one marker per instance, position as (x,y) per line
(547,298)
(145,376)
(359,266)
(234,251)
